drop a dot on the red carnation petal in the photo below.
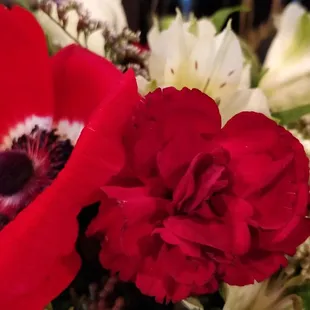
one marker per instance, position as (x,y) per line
(81,79)
(162,116)
(232,237)
(25,79)
(196,232)
(186,247)
(176,156)
(44,234)
(287,239)
(240,135)
(257,267)
(175,106)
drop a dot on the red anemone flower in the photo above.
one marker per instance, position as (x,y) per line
(45,104)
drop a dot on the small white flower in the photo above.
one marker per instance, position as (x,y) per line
(97,13)
(192,55)
(287,79)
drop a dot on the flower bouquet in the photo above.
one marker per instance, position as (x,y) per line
(173,176)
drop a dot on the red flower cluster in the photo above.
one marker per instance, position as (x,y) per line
(38,258)
(198,204)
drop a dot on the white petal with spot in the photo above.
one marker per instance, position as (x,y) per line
(244,100)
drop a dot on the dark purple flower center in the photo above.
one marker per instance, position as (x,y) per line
(16,169)
(32,163)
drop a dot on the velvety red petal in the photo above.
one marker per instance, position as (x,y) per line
(136,205)
(202,179)
(257,267)
(81,79)
(240,136)
(33,245)
(161,116)
(186,247)
(286,240)
(195,231)
(25,79)
(174,159)
(203,117)
(126,267)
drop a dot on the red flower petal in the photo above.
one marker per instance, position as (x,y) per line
(257,267)
(25,79)
(100,141)
(81,79)
(285,240)
(43,235)
(248,132)
(195,231)
(165,114)
(174,159)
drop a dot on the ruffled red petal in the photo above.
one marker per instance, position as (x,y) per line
(39,243)
(81,78)
(25,79)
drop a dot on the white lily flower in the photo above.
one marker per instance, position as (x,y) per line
(286,82)
(243,100)
(266,295)
(65,17)
(192,55)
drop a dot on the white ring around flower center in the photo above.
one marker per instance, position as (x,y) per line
(25,127)
(65,129)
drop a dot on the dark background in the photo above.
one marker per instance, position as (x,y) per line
(138,11)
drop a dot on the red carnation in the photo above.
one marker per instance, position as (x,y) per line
(45,105)
(198,204)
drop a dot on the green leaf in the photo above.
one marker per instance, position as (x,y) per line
(193,25)
(304,293)
(220,17)
(292,115)
(165,22)
(152,86)
(251,57)
(24,3)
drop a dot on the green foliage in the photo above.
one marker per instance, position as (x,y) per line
(251,57)
(220,17)
(290,116)
(23,3)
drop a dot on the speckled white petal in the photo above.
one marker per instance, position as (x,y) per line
(200,64)
(244,100)
(178,46)
(225,74)
(245,81)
